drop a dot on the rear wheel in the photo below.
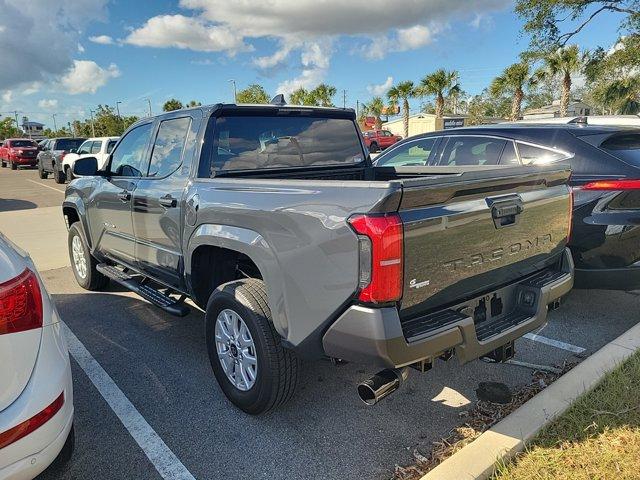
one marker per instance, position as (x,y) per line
(58,175)
(252,367)
(3,163)
(82,263)
(68,173)
(41,173)
(13,165)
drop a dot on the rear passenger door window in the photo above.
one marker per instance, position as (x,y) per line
(472,151)
(539,155)
(509,155)
(410,154)
(166,156)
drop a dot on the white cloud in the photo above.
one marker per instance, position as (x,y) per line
(186,33)
(40,37)
(401,40)
(87,76)
(7,96)
(48,103)
(80,48)
(102,40)
(315,59)
(32,88)
(381,89)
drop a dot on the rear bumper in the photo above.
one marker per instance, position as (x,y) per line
(627,278)
(30,161)
(375,336)
(32,454)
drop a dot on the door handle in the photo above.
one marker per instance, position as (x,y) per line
(124,196)
(168,201)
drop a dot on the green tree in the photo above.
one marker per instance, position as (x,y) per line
(622,95)
(323,94)
(254,93)
(193,103)
(513,81)
(563,63)
(373,109)
(401,93)
(8,128)
(553,23)
(171,105)
(300,96)
(439,84)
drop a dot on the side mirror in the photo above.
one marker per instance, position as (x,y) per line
(85,167)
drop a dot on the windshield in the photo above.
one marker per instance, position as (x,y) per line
(69,143)
(252,142)
(23,143)
(626,147)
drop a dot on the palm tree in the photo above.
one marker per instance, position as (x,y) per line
(563,63)
(374,109)
(300,96)
(402,93)
(322,95)
(623,95)
(193,103)
(440,83)
(172,104)
(513,81)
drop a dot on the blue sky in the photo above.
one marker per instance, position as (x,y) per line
(85,52)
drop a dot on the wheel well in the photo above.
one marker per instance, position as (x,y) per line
(213,266)
(70,215)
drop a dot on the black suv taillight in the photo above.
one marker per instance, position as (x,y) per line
(380,245)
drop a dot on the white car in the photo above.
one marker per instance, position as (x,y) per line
(99,147)
(36,393)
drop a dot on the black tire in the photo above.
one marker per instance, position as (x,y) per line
(3,163)
(13,166)
(373,148)
(277,367)
(68,173)
(58,176)
(93,279)
(41,173)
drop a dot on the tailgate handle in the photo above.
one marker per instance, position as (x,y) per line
(505,210)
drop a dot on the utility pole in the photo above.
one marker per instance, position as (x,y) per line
(344,99)
(235,91)
(357,108)
(15,112)
(149,102)
(93,126)
(55,128)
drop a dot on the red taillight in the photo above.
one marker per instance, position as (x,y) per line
(20,304)
(380,240)
(25,428)
(63,154)
(612,185)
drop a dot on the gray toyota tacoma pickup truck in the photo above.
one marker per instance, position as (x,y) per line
(273,220)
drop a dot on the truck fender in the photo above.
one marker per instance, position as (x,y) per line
(254,246)
(76,204)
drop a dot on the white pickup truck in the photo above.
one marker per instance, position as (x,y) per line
(98,147)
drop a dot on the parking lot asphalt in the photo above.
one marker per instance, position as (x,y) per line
(159,363)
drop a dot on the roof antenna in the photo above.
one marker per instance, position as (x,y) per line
(278,100)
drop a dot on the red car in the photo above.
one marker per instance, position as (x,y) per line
(376,140)
(18,152)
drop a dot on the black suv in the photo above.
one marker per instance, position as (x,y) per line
(52,154)
(605,161)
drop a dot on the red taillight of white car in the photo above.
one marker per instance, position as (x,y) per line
(380,243)
(28,426)
(20,304)
(621,184)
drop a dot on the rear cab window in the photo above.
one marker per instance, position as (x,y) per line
(68,144)
(245,142)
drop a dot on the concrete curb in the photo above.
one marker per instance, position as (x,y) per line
(509,436)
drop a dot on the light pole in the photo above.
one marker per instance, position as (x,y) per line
(55,128)
(149,102)
(118,109)
(93,126)
(235,91)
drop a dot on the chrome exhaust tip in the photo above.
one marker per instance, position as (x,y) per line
(382,384)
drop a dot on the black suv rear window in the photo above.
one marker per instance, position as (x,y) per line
(69,143)
(625,147)
(256,142)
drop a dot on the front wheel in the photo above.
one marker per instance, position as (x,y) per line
(41,173)
(373,148)
(13,166)
(252,367)
(82,263)
(3,163)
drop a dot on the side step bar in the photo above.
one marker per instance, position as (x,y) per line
(159,299)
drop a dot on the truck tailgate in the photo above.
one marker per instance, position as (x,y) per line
(469,232)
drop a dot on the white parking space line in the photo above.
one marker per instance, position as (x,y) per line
(43,185)
(554,343)
(165,461)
